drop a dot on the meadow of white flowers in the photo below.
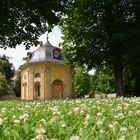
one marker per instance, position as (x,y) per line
(81,119)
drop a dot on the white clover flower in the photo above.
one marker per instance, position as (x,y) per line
(53,110)
(24,117)
(81,111)
(126,105)
(131,128)
(116,116)
(102,131)
(93,106)
(121,138)
(3,109)
(99,114)
(43,121)
(16,121)
(40,137)
(119,107)
(38,103)
(63,124)
(123,129)
(56,113)
(111,126)
(76,109)
(77,101)
(75,138)
(120,115)
(86,124)
(5,118)
(54,119)
(130,113)
(87,118)
(69,113)
(14,117)
(81,131)
(138,112)
(27,106)
(40,131)
(0,121)
(99,123)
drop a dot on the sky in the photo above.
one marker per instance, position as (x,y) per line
(16,54)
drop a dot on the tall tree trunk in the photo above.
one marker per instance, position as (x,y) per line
(137,85)
(118,69)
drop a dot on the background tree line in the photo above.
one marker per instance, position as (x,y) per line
(101,82)
(6,73)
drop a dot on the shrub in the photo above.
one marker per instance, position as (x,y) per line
(3,85)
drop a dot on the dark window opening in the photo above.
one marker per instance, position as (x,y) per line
(37,75)
(38,90)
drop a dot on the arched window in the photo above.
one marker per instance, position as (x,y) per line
(37,75)
(56,53)
(25,77)
(37,89)
(25,90)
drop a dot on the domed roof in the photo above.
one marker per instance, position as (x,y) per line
(47,53)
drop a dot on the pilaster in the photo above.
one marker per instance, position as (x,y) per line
(30,94)
(49,82)
(42,87)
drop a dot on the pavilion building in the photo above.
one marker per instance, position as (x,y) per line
(45,75)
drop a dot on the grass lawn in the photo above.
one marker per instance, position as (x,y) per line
(88,119)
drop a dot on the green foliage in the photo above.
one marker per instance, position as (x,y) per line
(17,88)
(25,20)
(3,85)
(6,68)
(100,32)
(103,81)
(82,81)
(132,82)
(90,119)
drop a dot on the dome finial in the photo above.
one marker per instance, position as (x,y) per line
(47,37)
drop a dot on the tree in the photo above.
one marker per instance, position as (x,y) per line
(25,20)
(6,68)
(103,32)
(103,81)
(82,81)
(17,88)
(3,85)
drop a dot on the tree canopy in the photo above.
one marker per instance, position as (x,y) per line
(6,68)
(3,85)
(103,81)
(98,32)
(82,81)
(25,20)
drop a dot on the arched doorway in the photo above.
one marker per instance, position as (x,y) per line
(57,89)
(37,90)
